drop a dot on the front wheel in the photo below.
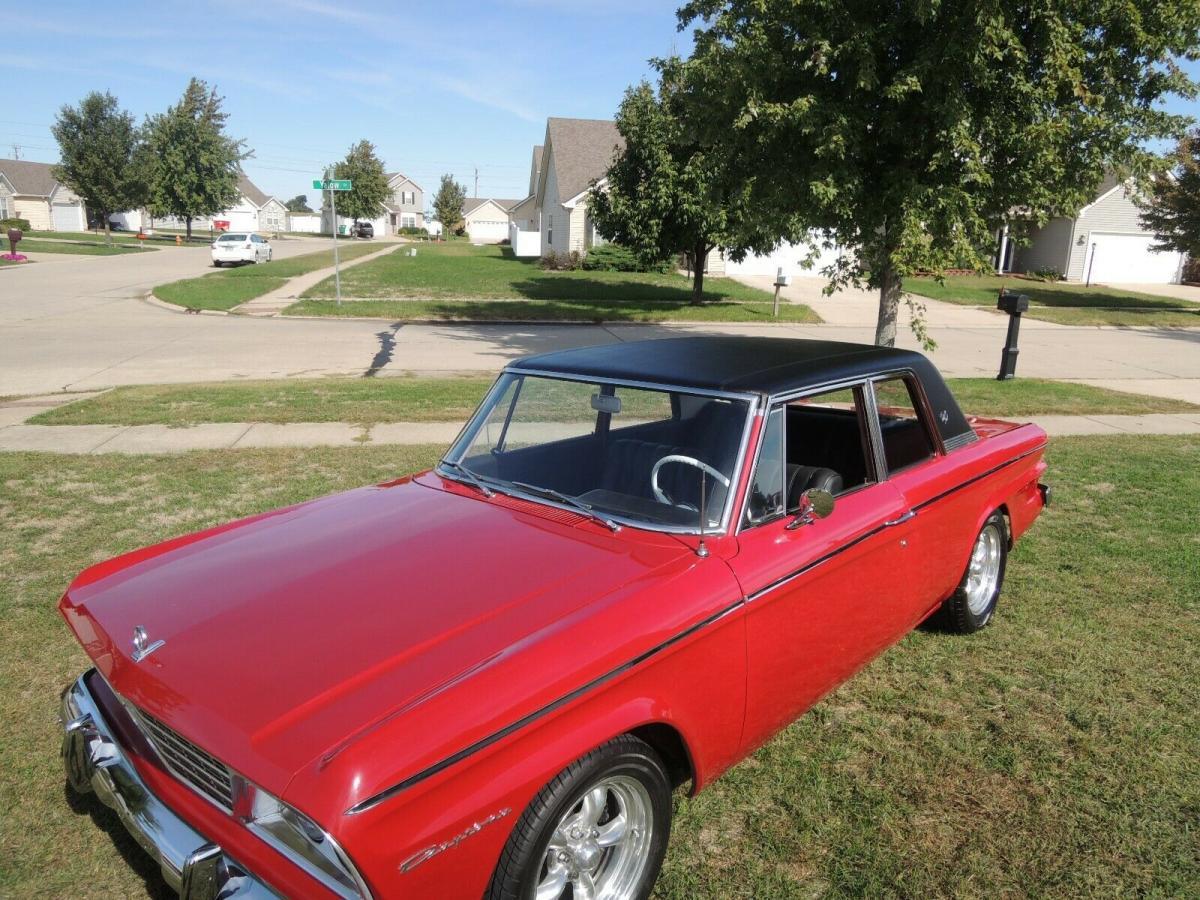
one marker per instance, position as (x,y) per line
(598,829)
(973,602)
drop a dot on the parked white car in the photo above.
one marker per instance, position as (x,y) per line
(240,247)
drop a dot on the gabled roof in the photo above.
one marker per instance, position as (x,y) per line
(251,192)
(399,178)
(581,151)
(470,204)
(535,168)
(34,179)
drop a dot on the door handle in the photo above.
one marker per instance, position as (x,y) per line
(904,518)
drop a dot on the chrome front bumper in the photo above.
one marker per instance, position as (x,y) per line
(191,864)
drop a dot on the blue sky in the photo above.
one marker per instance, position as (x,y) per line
(438,87)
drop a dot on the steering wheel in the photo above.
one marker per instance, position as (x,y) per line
(662,496)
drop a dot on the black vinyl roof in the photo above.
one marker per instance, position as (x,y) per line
(757,365)
(740,364)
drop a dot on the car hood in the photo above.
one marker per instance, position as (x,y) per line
(289,632)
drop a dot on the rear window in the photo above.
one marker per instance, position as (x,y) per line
(231,238)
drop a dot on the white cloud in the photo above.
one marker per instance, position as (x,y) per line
(492,93)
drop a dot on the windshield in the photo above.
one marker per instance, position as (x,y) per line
(628,454)
(230,238)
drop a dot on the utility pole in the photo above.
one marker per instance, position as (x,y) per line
(16,151)
(476,194)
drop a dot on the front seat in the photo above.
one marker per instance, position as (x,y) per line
(810,478)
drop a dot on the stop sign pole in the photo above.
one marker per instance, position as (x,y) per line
(333,185)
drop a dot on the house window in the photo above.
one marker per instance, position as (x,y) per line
(408,221)
(3,207)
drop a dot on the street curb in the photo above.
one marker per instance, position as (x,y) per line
(149,297)
(607,323)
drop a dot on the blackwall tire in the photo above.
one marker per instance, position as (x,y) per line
(973,602)
(602,821)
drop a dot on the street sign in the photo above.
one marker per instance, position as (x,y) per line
(330,184)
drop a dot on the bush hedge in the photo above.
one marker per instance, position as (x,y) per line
(615,258)
(6,224)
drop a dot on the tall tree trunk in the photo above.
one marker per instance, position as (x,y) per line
(698,255)
(107,230)
(889,306)
(189,228)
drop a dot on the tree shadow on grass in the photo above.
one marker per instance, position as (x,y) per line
(608,292)
(1095,298)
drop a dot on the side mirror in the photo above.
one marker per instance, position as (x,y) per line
(813,505)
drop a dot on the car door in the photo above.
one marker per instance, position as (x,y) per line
(822,598)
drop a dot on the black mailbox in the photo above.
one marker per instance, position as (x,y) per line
(1011,302)
(1014,304)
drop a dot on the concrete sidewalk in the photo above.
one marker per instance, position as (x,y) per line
(87,439)
(275,302)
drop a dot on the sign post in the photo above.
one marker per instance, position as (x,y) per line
(333,186)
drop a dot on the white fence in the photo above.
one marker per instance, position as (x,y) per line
(524,243)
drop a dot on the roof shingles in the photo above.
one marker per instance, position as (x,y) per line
(581,150)
(34,179)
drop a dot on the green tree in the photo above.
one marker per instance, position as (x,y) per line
(299,203)
(1172,208)
(100,149)
(667,191)
(907,132)
(195,165)
(448,204)
(369,187)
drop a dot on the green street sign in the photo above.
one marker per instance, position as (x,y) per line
(330,184)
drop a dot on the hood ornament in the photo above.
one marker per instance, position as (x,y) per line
(141,643)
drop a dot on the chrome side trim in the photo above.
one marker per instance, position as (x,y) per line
(454,758)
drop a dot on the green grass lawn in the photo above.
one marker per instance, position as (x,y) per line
(227,288)
(405,399)
(457,280)
(1054,754)
(32,246)
(1062,302)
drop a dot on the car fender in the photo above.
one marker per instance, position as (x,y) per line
(443,837)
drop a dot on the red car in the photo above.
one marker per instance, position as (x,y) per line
(634,566)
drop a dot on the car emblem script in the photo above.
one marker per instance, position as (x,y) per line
(141,644)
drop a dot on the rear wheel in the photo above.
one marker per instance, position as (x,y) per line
(973,602)
(598,830)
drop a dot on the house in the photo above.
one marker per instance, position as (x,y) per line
(486,219)
(1104,242)
(29,190)
(254,210)
(406,205)
(575,153)
(523,232)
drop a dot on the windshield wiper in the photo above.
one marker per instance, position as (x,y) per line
(573,502)
(469,476)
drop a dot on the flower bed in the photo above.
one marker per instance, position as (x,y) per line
(13,257)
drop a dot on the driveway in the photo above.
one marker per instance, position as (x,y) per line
(1188,292)
(81,324)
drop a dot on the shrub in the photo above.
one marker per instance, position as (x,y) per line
(1045,273)
(561,262)
(1191,270)
(412,229)
(6,224)
(615,258)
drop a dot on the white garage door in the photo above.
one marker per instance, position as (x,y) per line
(487,232)
(66,217)
(1128,257)
(786,256)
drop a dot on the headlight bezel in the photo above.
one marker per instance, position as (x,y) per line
(302,841)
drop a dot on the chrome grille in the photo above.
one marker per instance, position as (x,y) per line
(198,769)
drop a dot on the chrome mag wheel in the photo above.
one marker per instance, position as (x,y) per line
(600,848)
(983,572)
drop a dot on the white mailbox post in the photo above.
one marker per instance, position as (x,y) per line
(782,280)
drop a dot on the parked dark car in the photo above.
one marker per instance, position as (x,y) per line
(364,230)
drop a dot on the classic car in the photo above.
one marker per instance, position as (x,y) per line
(634,565)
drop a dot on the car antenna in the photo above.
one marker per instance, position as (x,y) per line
(701,549)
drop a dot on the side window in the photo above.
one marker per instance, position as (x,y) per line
(766,490)
(827,444)
(906,440)
(815,443)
